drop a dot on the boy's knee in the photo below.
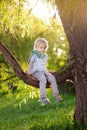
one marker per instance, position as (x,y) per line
(52,78)
(43,79)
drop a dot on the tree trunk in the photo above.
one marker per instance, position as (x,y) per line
(74,19)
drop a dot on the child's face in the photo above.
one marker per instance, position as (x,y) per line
(41,48)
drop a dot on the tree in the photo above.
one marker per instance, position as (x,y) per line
(74,19)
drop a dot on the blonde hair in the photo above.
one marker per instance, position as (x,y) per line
(40,41)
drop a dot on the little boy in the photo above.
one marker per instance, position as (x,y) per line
(37,68)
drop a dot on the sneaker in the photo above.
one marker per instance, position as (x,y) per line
(45,101)
(58,99)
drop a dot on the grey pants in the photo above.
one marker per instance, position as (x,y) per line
(43,77)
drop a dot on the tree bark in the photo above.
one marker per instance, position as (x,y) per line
(74,19)
(23,76)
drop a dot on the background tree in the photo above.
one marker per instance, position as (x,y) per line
(74,19)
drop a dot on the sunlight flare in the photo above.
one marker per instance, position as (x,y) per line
(42,10)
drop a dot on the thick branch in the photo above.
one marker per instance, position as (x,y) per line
(23,76)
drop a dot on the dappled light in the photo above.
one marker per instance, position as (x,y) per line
(21,23)
(20,26)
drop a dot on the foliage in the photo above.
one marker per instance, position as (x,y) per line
(19,28)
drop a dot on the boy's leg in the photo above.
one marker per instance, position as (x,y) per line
(42,83)
(54,86)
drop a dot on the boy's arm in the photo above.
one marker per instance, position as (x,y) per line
(29,67)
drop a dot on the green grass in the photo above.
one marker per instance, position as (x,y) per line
(21,110)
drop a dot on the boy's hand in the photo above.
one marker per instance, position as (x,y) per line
(27,73)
